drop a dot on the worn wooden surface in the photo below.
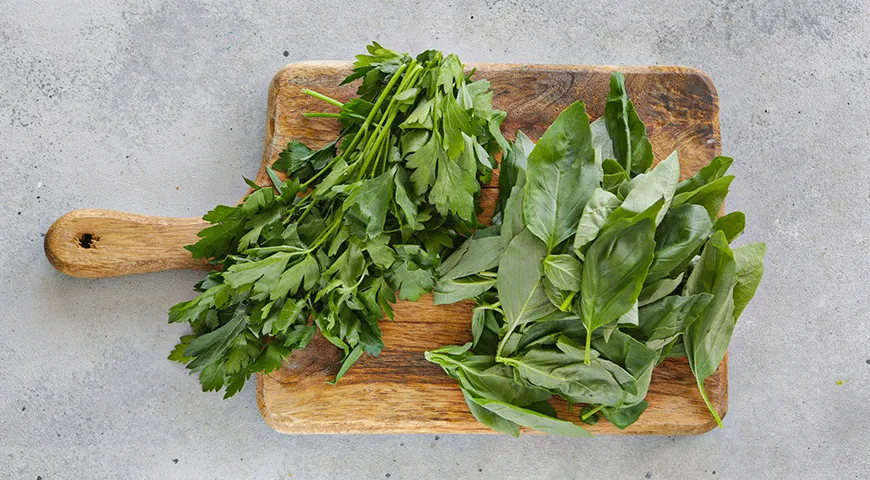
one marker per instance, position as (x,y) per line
(102,243)
(399,392)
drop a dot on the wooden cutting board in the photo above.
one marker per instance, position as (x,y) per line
(399,391)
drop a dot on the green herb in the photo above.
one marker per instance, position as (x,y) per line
(608,267)
(368,214)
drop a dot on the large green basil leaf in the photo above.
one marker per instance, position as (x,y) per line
(456,290)
(491,419)
(601,139)
(513,166)
(520,289)
(532,419)
(706,340)
(477,254)
(512,216)
(561,175)
(635,357)
(483,377)
(622,417)
(659,289)
(679,237)
(614,272)
(631,146)
(614,176)
(622,376)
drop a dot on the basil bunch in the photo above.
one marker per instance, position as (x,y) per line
(595,270)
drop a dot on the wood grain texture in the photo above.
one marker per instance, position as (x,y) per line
(104,243)
(399,391)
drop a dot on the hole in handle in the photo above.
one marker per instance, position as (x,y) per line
(87,240)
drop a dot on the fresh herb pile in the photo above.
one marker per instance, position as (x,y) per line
(595,270)
(359,219)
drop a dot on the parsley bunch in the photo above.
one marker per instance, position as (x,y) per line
(357,220)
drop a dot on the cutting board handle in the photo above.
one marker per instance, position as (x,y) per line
(105,243)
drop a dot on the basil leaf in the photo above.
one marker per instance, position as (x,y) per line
(711,196)
(629,317)
(600,205)
(636,358)
(622,417)
(489,418)
(563,271)
(452,291)
(613,275)
(614,176)
(662,321)
(519,281)
(707,339)
(679,238)
(707,174)
(478,324)
(658,289)
(750,268)
(631,146)
(483,377)
(532,419)
(731,224)
(561,176)
(553,293)
(649,188)
(513,165)
(601,139)
(512,218)
(568,375)
(477,254)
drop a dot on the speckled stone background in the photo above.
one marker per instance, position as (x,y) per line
(158,107)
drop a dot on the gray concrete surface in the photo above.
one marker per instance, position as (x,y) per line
(157,107)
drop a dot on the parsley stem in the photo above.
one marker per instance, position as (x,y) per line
(322,97)
(381,144)
(591,412)
(386,121)
(322,238)
(376,107)
(325,169)
(308,208)
(321,115)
